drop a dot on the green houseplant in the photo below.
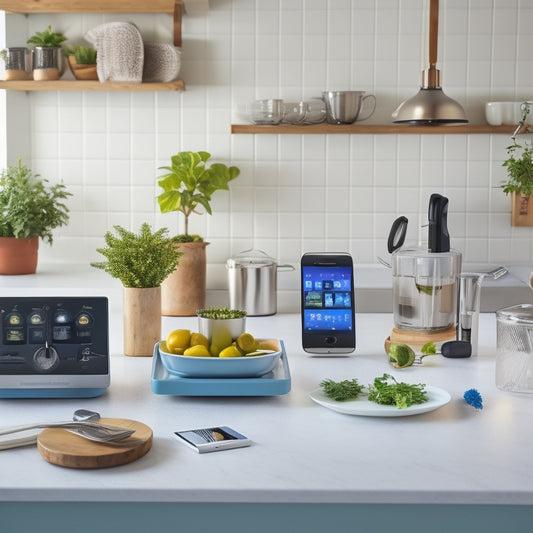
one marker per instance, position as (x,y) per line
(188,186)
(47,54)
(30,209)
(141,262)
(82,61)
(519,184)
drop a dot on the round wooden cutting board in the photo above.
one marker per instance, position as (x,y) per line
(60,447)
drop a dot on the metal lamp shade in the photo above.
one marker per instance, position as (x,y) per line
(430,106)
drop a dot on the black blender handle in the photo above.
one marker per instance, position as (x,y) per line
(397,234)
(438,236)
(456,349)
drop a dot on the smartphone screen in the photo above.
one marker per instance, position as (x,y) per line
(328,310)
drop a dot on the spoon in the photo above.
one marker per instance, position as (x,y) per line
(80,415)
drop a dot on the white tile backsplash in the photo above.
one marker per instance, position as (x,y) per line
(295,192)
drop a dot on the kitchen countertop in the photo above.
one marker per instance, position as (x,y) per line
(302,453)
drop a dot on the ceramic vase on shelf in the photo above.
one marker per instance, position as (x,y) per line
(142,320)
(183,292)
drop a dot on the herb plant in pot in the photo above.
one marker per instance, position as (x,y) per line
(30,209)
(82,62)
(221,326)
(47,54)
(141,262)
(519,183)
(188,187)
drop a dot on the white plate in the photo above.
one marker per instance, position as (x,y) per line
(363,407)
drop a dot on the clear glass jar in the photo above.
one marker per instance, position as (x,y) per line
(514,358)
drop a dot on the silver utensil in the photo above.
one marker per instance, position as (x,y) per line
(28,440)
(87,429)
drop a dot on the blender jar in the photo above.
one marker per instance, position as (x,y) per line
(424,289)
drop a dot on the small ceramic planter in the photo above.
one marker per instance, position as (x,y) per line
(47,63)
(18,63)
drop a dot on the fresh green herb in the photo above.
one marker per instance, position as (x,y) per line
(387,391)
(519,169)
(430,348)
(341,391)
(220,313)
(401,355)
(85,55)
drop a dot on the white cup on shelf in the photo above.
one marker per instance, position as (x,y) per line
(503,113)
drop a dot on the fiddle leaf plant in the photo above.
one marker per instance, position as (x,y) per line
(519,169)
(189,185)
(139,260)
(29,206)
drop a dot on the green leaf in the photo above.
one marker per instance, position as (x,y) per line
(430,348)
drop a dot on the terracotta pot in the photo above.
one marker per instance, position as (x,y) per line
(183,292)
(18,256)
(142,320)
(82,71)
(521,210)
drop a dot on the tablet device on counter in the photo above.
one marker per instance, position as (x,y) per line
(212,439)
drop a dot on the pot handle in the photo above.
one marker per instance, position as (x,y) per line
(284,268)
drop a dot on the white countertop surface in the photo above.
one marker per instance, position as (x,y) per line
(301,451)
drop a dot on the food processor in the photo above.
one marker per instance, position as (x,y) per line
(425,281)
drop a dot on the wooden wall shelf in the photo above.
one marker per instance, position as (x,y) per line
(79,85)
(175,8)
(370,129)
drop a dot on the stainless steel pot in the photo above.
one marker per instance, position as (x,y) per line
(252,277)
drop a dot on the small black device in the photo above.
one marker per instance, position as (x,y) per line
(328,303)
(212,439)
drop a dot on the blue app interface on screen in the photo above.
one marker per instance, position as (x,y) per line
(327,298)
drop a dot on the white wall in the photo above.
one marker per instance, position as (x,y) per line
(296,192)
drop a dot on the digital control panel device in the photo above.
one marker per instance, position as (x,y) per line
(327,306)
(54,347)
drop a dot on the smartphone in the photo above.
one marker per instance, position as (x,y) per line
(212,439)
(328,303)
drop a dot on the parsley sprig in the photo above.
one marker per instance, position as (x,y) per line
(387,391)
(341,391)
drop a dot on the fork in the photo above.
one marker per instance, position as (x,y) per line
(90,430)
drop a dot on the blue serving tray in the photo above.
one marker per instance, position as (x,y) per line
(274,383)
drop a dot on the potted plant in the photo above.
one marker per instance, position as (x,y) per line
(188,187)
(141,262)
(30,209)
(82,62)
(221,326)
(17,63)
(519,184)
(47,54)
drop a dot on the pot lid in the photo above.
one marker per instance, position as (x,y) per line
(251,259)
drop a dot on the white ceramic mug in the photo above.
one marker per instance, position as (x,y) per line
(499,113)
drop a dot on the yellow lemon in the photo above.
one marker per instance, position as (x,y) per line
(246,343)
(198,350)
(178,340)
(230,351)
(215,349)
(221,337)
(198,338)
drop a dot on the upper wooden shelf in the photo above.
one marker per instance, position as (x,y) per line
(80,85)
(371,129)
(175,8)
